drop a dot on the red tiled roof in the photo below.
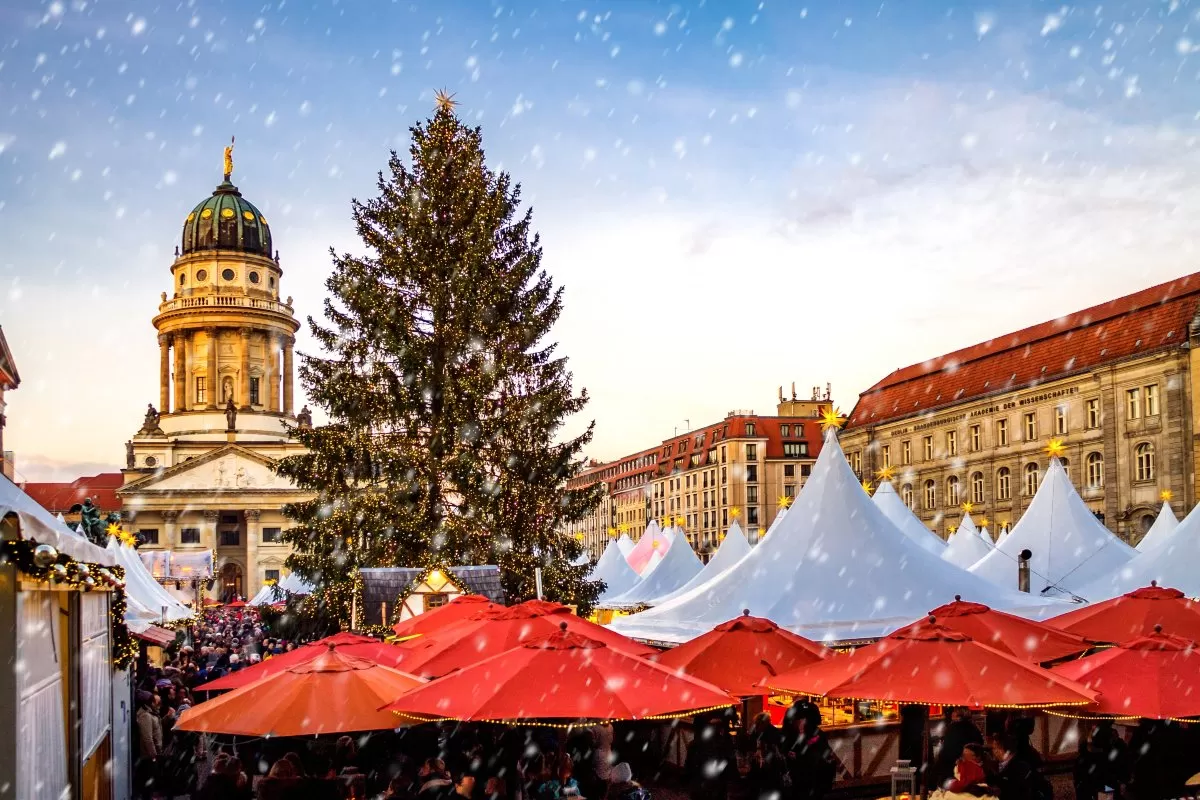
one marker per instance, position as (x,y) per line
(1151,320)
(57,498)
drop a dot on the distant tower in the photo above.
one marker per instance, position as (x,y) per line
(224,334)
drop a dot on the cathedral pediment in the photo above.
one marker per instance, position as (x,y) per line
(227,469)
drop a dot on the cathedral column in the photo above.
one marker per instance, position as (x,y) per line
(180,340)
(213,380)
(164,374)
(253,537)
(244,377)
(273,390)
(208,536)
(288,343)
(170,538)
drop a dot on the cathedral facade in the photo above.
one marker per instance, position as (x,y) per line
(199,473)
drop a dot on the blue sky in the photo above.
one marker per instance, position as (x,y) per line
(735,194)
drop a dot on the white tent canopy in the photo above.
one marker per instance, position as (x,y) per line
(903,518)
(968,525)
(1069,545)
(836,569)
(653,540)
(36,524)
(267,595)
(614,570)
(292,583)
(147,602)
(965,547)
(1171,563)
(1164,525)
(678,566)
(733,549)
(625,544)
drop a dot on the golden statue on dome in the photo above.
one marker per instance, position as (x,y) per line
(229,159)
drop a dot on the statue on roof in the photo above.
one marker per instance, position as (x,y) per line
(150,423)
(130,460)
(90,524)
(304,418)
(229,159)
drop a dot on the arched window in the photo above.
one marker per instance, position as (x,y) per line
(906,494)
(1032,474)
(977,488)
(930,495)
(1004,484)
(1145,461)
(1095,470)
(952,498)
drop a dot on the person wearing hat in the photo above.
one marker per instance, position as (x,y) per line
(812,764)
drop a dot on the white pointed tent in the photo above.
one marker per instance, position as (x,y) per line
(733,549)
(1171,563)
(965,547)
(292,583)
(655,559)
(835,569)
(147,602)
(903,518)
(625,544)
(614,570)
(987,537)
(968,525)
(266,596)
(653,539)
(1069,545)
(1164,525)
(678,566)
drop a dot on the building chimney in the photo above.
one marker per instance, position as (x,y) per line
(1023,570)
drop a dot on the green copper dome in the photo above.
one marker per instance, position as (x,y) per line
(226,221)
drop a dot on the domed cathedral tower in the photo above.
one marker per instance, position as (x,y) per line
(199,474)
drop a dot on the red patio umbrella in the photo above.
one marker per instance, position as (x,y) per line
(491,632)
(1025,639)
(456,610)
(1154,677)
(930,664)
(351,644)
(330,693)
(236,604)
(738,654)
(1134,614)
(561,676)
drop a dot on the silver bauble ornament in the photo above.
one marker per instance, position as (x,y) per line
(83,570)
(44,555)
(58,572)
(89,584)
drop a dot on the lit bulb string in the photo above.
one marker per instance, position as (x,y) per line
(1118,718)
(795,693)
(534,723)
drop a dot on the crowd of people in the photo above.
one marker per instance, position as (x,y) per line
(761,761)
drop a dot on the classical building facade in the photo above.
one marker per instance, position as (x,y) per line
(744,467)
(199,471)
(1115,383)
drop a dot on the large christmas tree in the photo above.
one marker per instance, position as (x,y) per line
(444,400)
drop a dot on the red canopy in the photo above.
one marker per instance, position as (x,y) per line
(737,655)
(503,628)
(351,644)
(330,693)
(1025,639)
(1134,614)
(1155,677)
(456,610)
(930,664)
(562,676)
(236,604)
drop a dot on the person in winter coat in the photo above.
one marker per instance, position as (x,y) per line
(1103,764)
(768,766)
(623,787)
(959,732)
(1015,778)
(150,745)
(811,762)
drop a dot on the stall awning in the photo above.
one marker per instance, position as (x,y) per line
(36,524)
(156,635)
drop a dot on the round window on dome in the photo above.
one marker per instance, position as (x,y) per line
(227,274)
(206,213)
(263,220)
(191,216)
(227,213)
(202,275)
(254,277)
(248,216)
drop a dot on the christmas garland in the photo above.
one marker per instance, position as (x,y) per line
(41,562)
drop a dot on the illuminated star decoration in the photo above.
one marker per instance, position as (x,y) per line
(679,521)
(445,101)
(579,537)
(735,512)
(886,474)
(785,501)
(612,531)
(983,522)
(968,507)
(1165,495)
(953,529)
(831,418)
(1056,448)
(867,486)
(622,527)
(113,530)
